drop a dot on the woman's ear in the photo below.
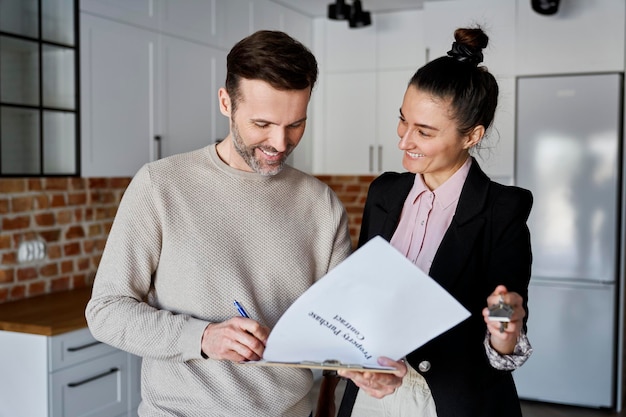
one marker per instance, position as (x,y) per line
(225,103)
(474,136)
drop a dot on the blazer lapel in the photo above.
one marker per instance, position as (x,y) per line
(459,239)
(393,204)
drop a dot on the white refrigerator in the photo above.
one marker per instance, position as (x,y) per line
(569,154)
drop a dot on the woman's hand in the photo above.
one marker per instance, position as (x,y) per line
(378,384)
(504,335)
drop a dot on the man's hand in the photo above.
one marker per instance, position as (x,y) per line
(237,339)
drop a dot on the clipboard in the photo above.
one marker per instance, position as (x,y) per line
(331,364)
(358,312)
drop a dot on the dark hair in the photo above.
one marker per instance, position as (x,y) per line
(273,57)
(471,89)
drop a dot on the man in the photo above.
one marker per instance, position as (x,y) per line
(196,231)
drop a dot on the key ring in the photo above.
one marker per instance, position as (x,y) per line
(501,312)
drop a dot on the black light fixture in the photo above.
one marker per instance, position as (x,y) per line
(339,11)
(359,18)
(546,7)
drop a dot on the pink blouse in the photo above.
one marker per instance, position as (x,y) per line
(426,216)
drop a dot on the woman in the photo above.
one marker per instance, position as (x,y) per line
(466,231)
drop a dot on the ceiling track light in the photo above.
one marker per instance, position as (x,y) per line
(546,7)
(339,11)
(356,17)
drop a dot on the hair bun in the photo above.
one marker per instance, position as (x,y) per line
(462,53)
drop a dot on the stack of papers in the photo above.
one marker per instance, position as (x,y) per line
(375,303)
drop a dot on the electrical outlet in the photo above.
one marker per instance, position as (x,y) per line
(31,250)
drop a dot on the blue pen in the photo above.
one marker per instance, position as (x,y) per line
(242,312)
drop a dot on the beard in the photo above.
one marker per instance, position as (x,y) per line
(248,154)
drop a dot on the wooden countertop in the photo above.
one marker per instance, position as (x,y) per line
(47,315)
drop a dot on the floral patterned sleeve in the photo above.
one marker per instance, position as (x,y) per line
(511,362)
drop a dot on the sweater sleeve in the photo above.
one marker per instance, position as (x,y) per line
(119,312)
(342,246)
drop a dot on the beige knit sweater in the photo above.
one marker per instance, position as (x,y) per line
(191,235)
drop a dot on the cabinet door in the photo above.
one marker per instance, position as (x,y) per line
(117,93)
(239,21)
(298,26)
(391,87)
(267,15)
(400,40)
(71,348)
(191,74)
(23,374)
(98,388)
(442,18)
(350,122)
(193,19)
(137,12)
(348,49)
(134,384)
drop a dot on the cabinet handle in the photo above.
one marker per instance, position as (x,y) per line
(371,158)
(427,55)
(77,348)
(93,378)
(157,139)
(380,158)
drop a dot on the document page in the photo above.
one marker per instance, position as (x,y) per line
(375,303)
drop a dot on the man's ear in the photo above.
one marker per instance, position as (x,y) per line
(225,103)
(474,136)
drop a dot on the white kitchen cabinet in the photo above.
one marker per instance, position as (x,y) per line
(297,25)
(195,20)
(218,23)
(150,75)
(364,74)
(361,122)
(145,95)
(496,17)
(267,15)
(98,388)
(400,40)
(134,384)
(188,115)
(66,375)
(143,13)
(347,49)
(239,21)
(391,86)
(582,37)
(350,124)
(243,17)
(118,82)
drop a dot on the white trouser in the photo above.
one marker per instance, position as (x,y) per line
(411,399)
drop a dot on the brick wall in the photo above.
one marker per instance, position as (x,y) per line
(352,190)
(71,217)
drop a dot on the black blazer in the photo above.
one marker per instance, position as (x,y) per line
(487,243)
